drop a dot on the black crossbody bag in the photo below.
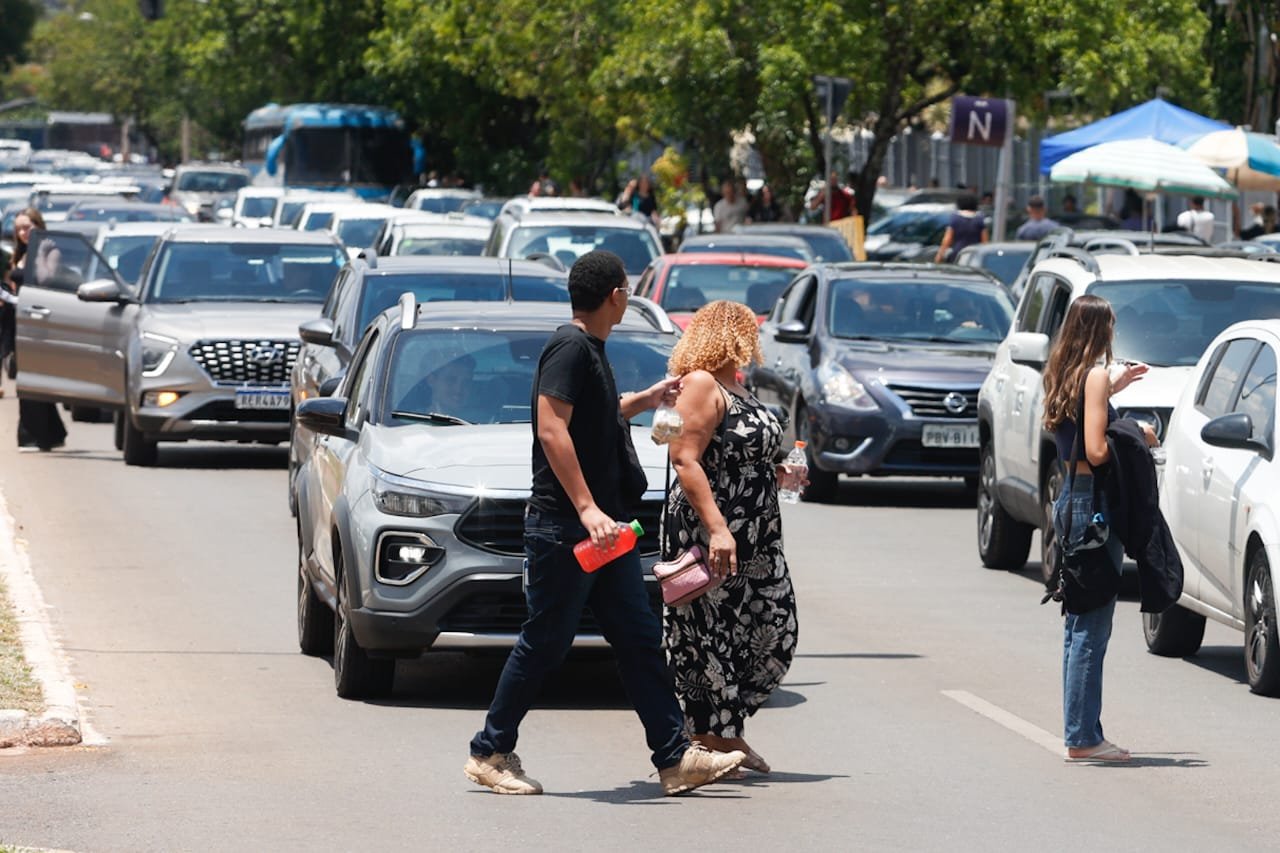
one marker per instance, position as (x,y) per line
(1087,578)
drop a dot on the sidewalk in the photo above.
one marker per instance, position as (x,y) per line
(38,705)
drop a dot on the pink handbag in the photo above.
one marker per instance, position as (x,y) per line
(685,578)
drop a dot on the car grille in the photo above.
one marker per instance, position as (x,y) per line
(498,526)
(932,402)
(504,613)
(225,410)
(247,362)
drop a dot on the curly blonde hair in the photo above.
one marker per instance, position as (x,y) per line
(720,333)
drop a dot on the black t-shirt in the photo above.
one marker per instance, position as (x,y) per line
(575,369)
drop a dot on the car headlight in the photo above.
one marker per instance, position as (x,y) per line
(404,496)
(1150,416)
(840,388)
(157,353)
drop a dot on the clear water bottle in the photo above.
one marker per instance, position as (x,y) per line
(797,470)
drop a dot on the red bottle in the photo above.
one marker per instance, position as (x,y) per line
(591,558)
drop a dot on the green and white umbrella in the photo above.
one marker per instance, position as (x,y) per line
(1145,165)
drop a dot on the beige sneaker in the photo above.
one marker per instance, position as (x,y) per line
(502,773)
(698,766)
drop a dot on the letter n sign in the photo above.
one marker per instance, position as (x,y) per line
(979,121)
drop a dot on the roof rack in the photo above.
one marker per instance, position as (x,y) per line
(408,310)
(1099,243)
(1080,256)
(653,313)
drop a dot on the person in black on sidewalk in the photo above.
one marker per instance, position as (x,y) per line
(585,477)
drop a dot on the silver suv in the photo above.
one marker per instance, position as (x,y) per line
(201,348)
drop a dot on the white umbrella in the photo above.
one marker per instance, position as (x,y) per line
(1252,160)
(1146,165)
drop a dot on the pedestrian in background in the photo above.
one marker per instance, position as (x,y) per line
(967,227)
(1196,220)
(1264,222)
(1038,223)
(841,199)
(731,210)
(1077,379)
(585,478)
(731,647)
(765,207)
(638,199)
(39,424)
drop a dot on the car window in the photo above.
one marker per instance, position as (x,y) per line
(440,246)
(798,304)
(690,286)
(1059,300)
(62,261)
(243,272)
(330,308)
(1033,304)
(380,292)
(1258,394)
(918,310)
(358,390)
(127,253)
(258,207)
(636,248)
(1219,391)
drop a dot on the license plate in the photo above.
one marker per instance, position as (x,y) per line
(960,435)
(259,399)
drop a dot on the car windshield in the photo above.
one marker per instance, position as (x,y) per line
(636,247)
(126,253)
(439,246)
(1004,264)
(1167,323)
(211,182)
(359,232)
(793,252)
(383,291)
(691,286)
(243,272)
(935,311)
(913,226)
(289,211)
(486,377)
(317,220)
(257,207)
(442,204)
(488,209)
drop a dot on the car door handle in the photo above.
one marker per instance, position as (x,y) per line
(38,312)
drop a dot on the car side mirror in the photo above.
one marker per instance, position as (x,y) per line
(330,386)
(318,332)
(101,290)
(325,415)
(1030,349)
(1234,432)
(791,332)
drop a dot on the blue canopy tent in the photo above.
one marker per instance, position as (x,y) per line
(1156,119)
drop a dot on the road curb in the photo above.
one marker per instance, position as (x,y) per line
(59,724)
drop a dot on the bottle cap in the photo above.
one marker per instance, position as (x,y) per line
(635,525)
(800,445)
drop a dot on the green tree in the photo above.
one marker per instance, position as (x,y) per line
(17,19)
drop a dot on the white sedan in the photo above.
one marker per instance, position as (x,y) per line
(1221,496)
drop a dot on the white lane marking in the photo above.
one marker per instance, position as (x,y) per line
(1012,722)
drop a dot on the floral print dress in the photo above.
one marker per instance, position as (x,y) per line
(730,648)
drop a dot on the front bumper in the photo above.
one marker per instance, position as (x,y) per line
(885,443)
(207,413)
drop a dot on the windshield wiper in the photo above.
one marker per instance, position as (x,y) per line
(431,418)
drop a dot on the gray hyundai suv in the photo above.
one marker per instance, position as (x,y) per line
(201,348)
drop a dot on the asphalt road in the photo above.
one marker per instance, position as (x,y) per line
(173,592)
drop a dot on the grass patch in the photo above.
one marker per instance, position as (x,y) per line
(17,688)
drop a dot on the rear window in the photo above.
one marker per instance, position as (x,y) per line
(569,242)
(258,207)
(440,246)
(359,233)
(689,287)
(383,291)
(211,182)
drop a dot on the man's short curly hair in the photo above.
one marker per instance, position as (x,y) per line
(720,333)
(593,277)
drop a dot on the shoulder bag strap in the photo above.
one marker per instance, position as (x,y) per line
(1076,449)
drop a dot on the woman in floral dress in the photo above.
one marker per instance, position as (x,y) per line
(731,647)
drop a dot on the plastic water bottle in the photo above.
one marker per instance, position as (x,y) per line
(591,558)
(798,469)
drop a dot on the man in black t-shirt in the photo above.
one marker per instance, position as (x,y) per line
(585,475)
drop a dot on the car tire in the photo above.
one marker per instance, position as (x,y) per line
(1049,555)
(1175,633)
(1003,541)
(355,674)
(315,619)
(118,430)
(823,485)
(1261,646)
(137,448)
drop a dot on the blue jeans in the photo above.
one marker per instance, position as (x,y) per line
(1085,636)
(557,589)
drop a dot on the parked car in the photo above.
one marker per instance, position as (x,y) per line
(367,286)
(683,283)
(410,513)
(451,234)
(255,207)
(1221,497)
(568,236)
(1168,309)
(440,199)
(1002,260)
(754,244)
(199,187)
(356,226)
(878,367)
(200,349)
(826,245)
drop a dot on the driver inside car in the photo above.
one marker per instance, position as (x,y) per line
(449,390)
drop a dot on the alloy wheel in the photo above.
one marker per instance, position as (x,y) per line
(1260,622)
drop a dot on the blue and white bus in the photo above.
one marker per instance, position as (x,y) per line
(331,147)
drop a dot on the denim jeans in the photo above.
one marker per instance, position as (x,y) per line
(1085,636)
(557,589)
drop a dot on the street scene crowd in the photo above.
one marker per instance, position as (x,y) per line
(632,387)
